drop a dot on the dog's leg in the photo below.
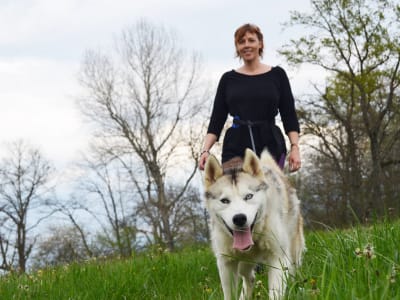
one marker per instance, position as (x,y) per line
(277,276)
(246,270)
(227,269)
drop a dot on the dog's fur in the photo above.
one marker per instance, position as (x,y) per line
(255,200)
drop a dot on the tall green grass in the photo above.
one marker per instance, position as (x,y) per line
(359,263)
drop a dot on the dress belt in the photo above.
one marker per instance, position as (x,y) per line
(237,122)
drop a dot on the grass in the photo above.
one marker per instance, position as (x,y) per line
(359,263)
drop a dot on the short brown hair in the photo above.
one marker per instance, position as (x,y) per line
(241,31)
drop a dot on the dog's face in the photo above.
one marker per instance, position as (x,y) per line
(236,200)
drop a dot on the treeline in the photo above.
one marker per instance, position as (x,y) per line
(353,119)
(148,106)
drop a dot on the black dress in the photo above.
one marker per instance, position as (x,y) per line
(258,99)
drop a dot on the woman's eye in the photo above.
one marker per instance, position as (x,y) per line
(225,201)
(248,196)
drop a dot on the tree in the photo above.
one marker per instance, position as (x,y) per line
(108,193)
(8,253)
(24,178)
(358,43)
(188,219)
(334,118)
(64,245)
(146,103)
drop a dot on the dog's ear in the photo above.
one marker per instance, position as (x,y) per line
(213,171)
(251,164)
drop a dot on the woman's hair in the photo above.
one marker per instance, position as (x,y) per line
(241,31)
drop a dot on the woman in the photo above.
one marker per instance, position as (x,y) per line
(253,95)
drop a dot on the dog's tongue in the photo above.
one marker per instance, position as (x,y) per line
(242,239)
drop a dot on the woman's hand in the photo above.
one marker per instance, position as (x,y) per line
(203,158)
(209,141)
(294,158)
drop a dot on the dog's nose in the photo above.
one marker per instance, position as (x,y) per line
(239,219)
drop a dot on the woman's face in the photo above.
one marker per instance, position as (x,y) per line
(248,47)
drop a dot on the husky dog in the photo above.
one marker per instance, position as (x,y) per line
(254,218)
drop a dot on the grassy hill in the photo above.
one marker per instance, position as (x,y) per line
(360,263)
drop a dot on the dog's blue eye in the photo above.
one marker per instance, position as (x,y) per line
(225,201)
(248,196)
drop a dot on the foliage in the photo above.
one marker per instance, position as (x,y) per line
(354,118)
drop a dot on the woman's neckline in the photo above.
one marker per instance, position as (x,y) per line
(256,74)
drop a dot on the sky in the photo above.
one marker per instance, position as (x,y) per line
(42,43)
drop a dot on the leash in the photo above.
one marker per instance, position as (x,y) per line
(251,137)
(250,124)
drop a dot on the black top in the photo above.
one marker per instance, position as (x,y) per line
(252,98)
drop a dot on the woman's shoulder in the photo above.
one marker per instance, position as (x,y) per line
(280,72)
(227,75)
(278,69)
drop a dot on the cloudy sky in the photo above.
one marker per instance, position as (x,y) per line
(42,43)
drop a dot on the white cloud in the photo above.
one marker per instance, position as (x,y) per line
(32,23)
(38,105)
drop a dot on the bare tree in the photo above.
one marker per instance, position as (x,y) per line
(7,251)
(189,220)
(145,102)
(24,175)
(108,193)
(69,209)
